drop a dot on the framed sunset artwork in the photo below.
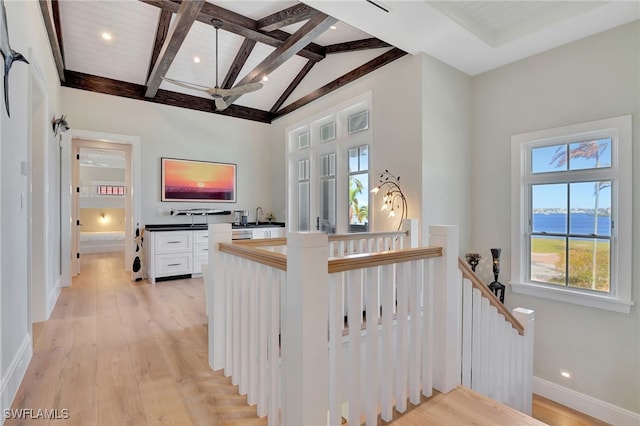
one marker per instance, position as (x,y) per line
(200,181)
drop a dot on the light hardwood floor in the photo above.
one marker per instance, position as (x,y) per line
(115,352)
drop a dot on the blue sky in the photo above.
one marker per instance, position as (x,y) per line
(582,194)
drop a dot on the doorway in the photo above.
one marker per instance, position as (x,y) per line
(75,144)
(100,203)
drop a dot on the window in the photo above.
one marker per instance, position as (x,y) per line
(571,214)
(359,189)
(327,214)
(329,156)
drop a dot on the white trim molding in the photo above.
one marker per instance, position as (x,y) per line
(15,373)
(619,131)
(585,404)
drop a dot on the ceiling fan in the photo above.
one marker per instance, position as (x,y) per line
(217,93)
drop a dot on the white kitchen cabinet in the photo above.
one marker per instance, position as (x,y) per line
(200,250)
(175,253)
(275,232)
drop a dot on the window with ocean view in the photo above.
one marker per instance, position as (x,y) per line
(570,213)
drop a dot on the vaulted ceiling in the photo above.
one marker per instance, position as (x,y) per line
(275,43)
(306,50)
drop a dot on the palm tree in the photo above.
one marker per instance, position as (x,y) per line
(355,189)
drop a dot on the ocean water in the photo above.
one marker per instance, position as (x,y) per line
(581,223)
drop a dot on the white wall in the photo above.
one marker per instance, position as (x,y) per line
(424,150)
(446,136)
(167,131)
(594,78)
(26,35)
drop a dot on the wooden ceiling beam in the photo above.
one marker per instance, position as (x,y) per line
(55,9)
(164,21)
(238,63)
(52,30)
(291,15)
(108,86)
(186,16)
(347,78)
(309,31)
(292,86)
(242,26)
(352,46)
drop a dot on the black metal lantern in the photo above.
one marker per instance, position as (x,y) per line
(496,287)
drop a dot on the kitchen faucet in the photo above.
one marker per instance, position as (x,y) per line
(258,217)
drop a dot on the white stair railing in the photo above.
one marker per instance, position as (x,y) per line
(278,327)
(497,345)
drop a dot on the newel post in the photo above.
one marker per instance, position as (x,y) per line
(526,317)
(304,331)
(215,293)
(411,226)
(447,309)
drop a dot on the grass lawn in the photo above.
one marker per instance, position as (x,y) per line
(581,265)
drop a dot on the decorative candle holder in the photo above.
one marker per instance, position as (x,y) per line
(496,287)
(473,259)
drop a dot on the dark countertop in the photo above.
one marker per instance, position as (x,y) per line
(204,226)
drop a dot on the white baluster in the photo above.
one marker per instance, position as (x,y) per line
(414,339)
(485,350)
(243,386)
(228,338)
(263,332)
(237,283)
(467,318)
(354,318)
(336,324)
(476,340)
(427,329)
(371,384)
(273,349)
(388,303)
(402,332)
(252,390)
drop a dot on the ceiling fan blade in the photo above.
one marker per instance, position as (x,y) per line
(238,90)
(187,85)
(220,104)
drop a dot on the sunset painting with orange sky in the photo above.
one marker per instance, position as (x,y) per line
(190,180)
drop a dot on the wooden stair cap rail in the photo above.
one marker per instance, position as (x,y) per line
(370,260)
(468,273)
(264,257)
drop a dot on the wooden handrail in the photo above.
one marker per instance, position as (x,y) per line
(468,273)
(262,242)
(369,260)
(247,251)
(366,235)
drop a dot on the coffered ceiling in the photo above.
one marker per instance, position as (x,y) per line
(283,40)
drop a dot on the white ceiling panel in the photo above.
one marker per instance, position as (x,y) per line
(278,82)
(132,25)
(255,9)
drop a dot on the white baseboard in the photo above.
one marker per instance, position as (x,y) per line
(585,404)
(53,297)
(15,373)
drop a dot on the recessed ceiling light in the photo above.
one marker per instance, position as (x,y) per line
(196,59)
(333,27)
(106,36)
(265,78)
